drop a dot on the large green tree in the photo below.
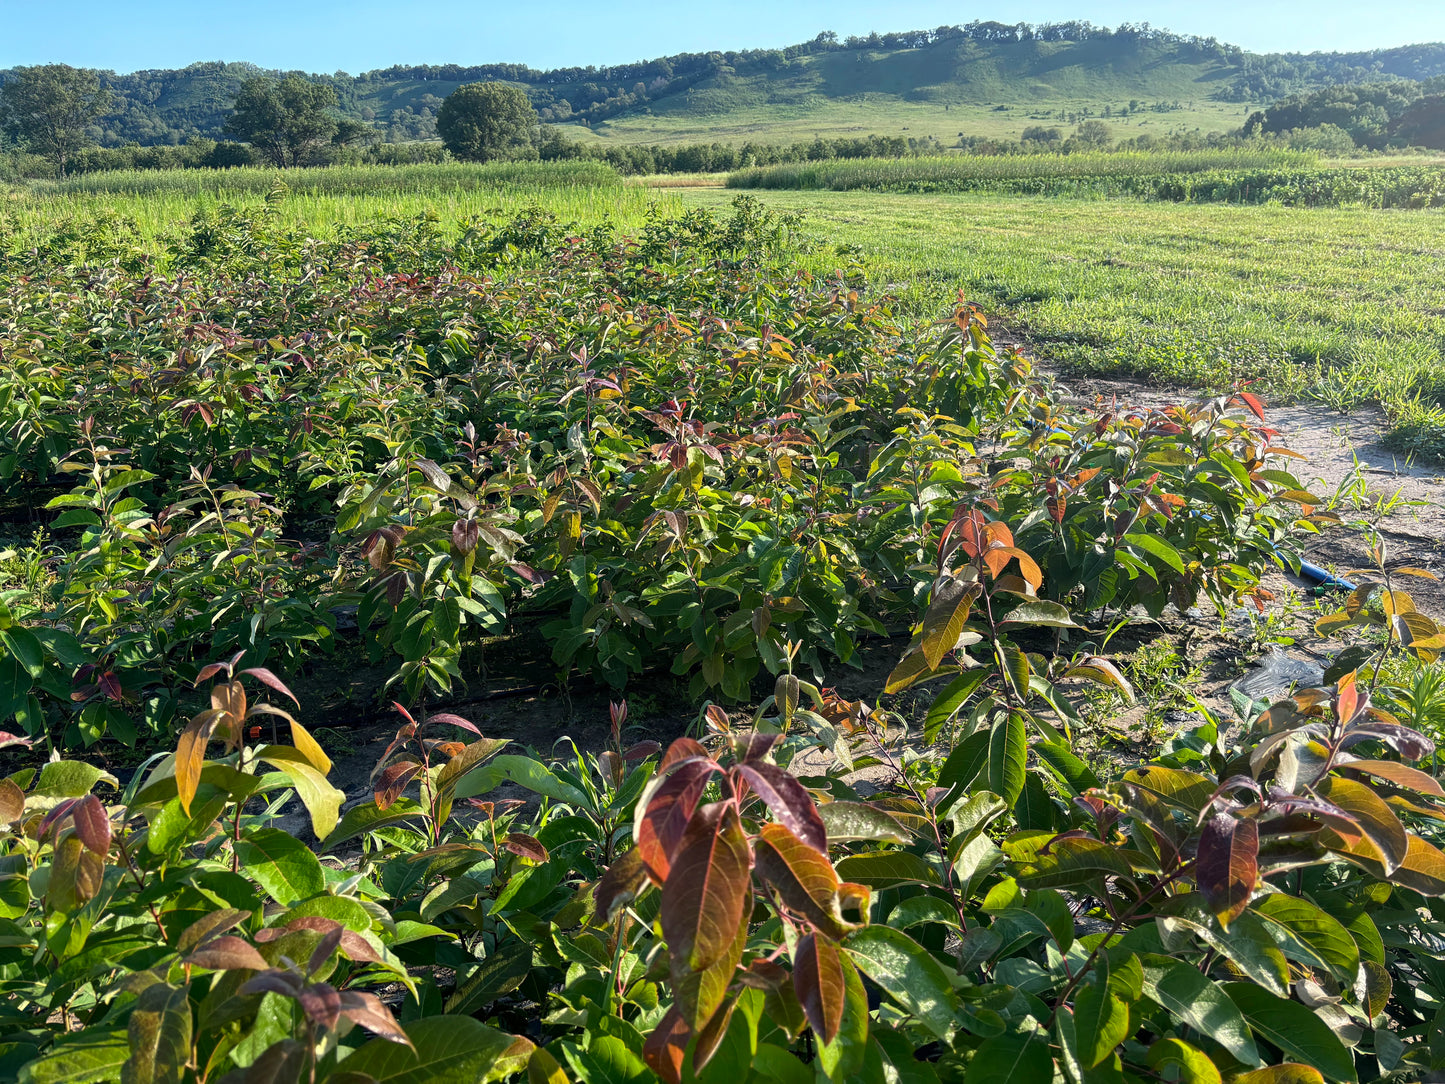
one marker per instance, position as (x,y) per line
(51,107)
(288,121)
(482,121)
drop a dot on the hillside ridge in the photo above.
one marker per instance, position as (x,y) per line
(923,80)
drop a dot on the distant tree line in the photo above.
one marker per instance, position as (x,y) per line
(1397,113)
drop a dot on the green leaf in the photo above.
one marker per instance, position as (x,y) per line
(69,779)
(499,973)
(1293,1028)
(1325,935)
(525,772)
(1190,1065)
(1157,547)
(24,648)
(1101,1021)
(909,974)
(350,913)
(321,799)
(1051,614)
(848,821)
(88,1058)
(1014,1058)
(282,865)
(1065,766)
(1074,861)
(886,869)
(448,1050)
(1199,1003)
(607,1060)
(160,1036)
(362,819)
(966,762)
(1007,755)
(947,703)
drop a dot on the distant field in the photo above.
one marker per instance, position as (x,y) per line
(788,122)
(159,204)
(1345,305)
(1233,175)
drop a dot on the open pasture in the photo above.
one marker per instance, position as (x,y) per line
(1341,305)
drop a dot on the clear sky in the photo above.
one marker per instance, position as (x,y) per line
(356,35)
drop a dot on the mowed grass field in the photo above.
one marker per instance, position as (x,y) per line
(1344,306)
(864,114)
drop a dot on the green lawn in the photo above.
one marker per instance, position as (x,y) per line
(1344,305)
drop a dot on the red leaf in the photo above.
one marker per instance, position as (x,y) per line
(367,1010)
(227,953)
(790,803)
(668,812)
(1227,866)
(329,944)
(270,680)
(92,824)
(666,1047)
(393,781)
(679,751)
(620,885)
(820,984)
(642,750)
(449,719)
(710,1037)
(1255,404)
(321,1003)
(706,890)
(519,843)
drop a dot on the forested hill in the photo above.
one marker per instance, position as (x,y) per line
(981,65)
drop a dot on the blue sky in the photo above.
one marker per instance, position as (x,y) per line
(355,35)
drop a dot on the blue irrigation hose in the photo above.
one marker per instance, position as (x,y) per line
(1320,580)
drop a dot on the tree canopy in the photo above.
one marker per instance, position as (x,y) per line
(482,121)
(288,121)
(51,108)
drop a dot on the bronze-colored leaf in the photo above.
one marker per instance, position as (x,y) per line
(191,754)
(1401,775)
(1375,818)
(367,1010)
(1423,868)
(92,824)
(620,885)
(227,953)
(666,1046)
(76,875)
(393,781)
(804,879)
(706,889)
(12,802)
(944,620)
(525,846)
(669,808)
(820,984)
(699,993)
(1227,866)
(710,1035)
